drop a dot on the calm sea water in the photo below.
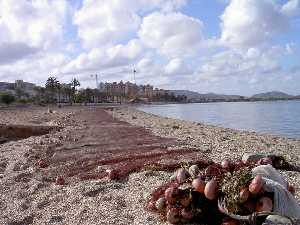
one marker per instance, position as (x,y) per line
(277,117)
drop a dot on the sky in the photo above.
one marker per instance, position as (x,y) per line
(222,46)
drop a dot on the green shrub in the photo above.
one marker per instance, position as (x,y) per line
(24,101)
(7,98)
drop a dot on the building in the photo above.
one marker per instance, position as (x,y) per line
(6,87)
(128,89)
(28,89)
(19,88)
(131,89)
(146,91)
(159,92)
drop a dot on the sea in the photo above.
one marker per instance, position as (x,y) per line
(280,118)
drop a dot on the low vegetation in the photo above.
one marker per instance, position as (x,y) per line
(7,98)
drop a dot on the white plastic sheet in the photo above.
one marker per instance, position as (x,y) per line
(285,203)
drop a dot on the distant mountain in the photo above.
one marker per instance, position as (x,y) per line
(188,94)
(273,95)
(193,96)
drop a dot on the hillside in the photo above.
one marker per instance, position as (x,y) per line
(193,96)
(197,97)
(272,95)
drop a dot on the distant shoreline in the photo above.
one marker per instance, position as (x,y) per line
(262,100)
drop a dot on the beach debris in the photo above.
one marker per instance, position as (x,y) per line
(182,175)
(175,127)
(60,180)
(275,219)
(42,163)
(226,164)
(194,171)
(199,185)
(3,140)
(264,204)
(223,194)
(112,174)
(291,189)
(210,190)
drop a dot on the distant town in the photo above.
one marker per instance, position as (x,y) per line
(115,92)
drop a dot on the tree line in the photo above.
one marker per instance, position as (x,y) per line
(56,92)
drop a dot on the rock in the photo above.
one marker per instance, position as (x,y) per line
(60,180)
(161,204)
(42,163)
(56,219)
(194,171)
(274,219)
(173,177)
(25,221)
(3,140)
(252,157)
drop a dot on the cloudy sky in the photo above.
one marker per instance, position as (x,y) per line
(222,46)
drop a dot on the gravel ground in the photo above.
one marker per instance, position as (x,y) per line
(216,142)
(27,196)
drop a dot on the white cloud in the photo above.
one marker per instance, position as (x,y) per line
(250,23)
(36,23)
(103,58)
(35,68)
(172,34)
(291,8)
(247,64)
(31,34)
(253,53)
(11,52)
(102,22)
(177,67)
(167,47)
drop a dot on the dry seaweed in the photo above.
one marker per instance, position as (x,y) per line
(231,186)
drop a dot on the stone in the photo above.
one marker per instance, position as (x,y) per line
(276,220)
(194,171)
(252,157)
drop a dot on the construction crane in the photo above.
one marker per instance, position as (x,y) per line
(134,72)
(96,79)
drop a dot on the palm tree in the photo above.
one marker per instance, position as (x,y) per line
(19,93)
(74,83)
(89,95)
(52,85)
(40,93)
(66,91)
(58,88)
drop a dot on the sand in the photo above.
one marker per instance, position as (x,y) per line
(29,195)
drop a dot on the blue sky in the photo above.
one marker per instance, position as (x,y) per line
(223,46)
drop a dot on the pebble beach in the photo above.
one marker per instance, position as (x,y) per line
(28,194)
(216,142)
